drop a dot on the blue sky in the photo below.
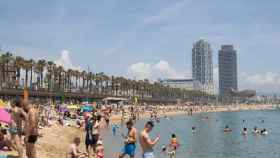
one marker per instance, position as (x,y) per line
(146,38)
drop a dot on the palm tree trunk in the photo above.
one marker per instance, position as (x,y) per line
(26,77)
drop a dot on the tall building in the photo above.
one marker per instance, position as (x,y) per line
(227,70)
(202,65)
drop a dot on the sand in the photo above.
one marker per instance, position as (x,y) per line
(56,139)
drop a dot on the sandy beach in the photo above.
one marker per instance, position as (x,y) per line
(55,139)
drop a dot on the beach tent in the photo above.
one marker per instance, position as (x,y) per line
(5,116)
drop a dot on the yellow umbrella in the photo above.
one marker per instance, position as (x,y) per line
(2,103)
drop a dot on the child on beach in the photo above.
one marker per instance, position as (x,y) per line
(99,150)
(74,151)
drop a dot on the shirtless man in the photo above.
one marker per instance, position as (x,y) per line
(146,142)
(31,129)
(17,115)
(74,151)
(130,141)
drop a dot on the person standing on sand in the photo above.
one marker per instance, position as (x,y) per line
(130,141)
(31,129)
(89,137)
(17,115)
(96,131)
(146,142)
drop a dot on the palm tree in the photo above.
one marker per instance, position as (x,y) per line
(19,63)
(5,60)
(50,71)
(40,67)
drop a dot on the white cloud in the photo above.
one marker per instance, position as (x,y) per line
(65,61)
(140,70)
(161,69)
(268,82)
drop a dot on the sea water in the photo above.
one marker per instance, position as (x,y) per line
(209,140)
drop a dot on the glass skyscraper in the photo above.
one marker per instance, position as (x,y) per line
(227,70)
(202,65)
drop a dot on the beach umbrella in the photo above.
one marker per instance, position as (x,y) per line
(2,103)
(5,116)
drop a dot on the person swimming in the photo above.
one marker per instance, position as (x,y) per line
(244,131)
(163,148)
(264,132)
(255,130)
(193,129)
(227,129)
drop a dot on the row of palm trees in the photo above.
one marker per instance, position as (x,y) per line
(41,75)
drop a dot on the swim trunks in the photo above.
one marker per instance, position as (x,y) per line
(148,155)
(32,139)
(129,149)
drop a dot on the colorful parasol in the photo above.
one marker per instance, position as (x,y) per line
(5,116)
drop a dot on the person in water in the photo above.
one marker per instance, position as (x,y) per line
(193,129)
(227,129)
(255,130)
(146,142)
(172,152)
(244,131)
(174,144)
(264,132)
(174,141)
(130,141)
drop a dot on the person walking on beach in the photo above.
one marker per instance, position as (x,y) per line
(89,142)
(146,142)
(31,129)
(96,131)
(17,117)
(130,141)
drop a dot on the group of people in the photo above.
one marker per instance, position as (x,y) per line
(244,131)
(22,130)
(146,142)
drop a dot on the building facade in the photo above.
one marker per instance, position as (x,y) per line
(187,84)
(202,65)
(227,70)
